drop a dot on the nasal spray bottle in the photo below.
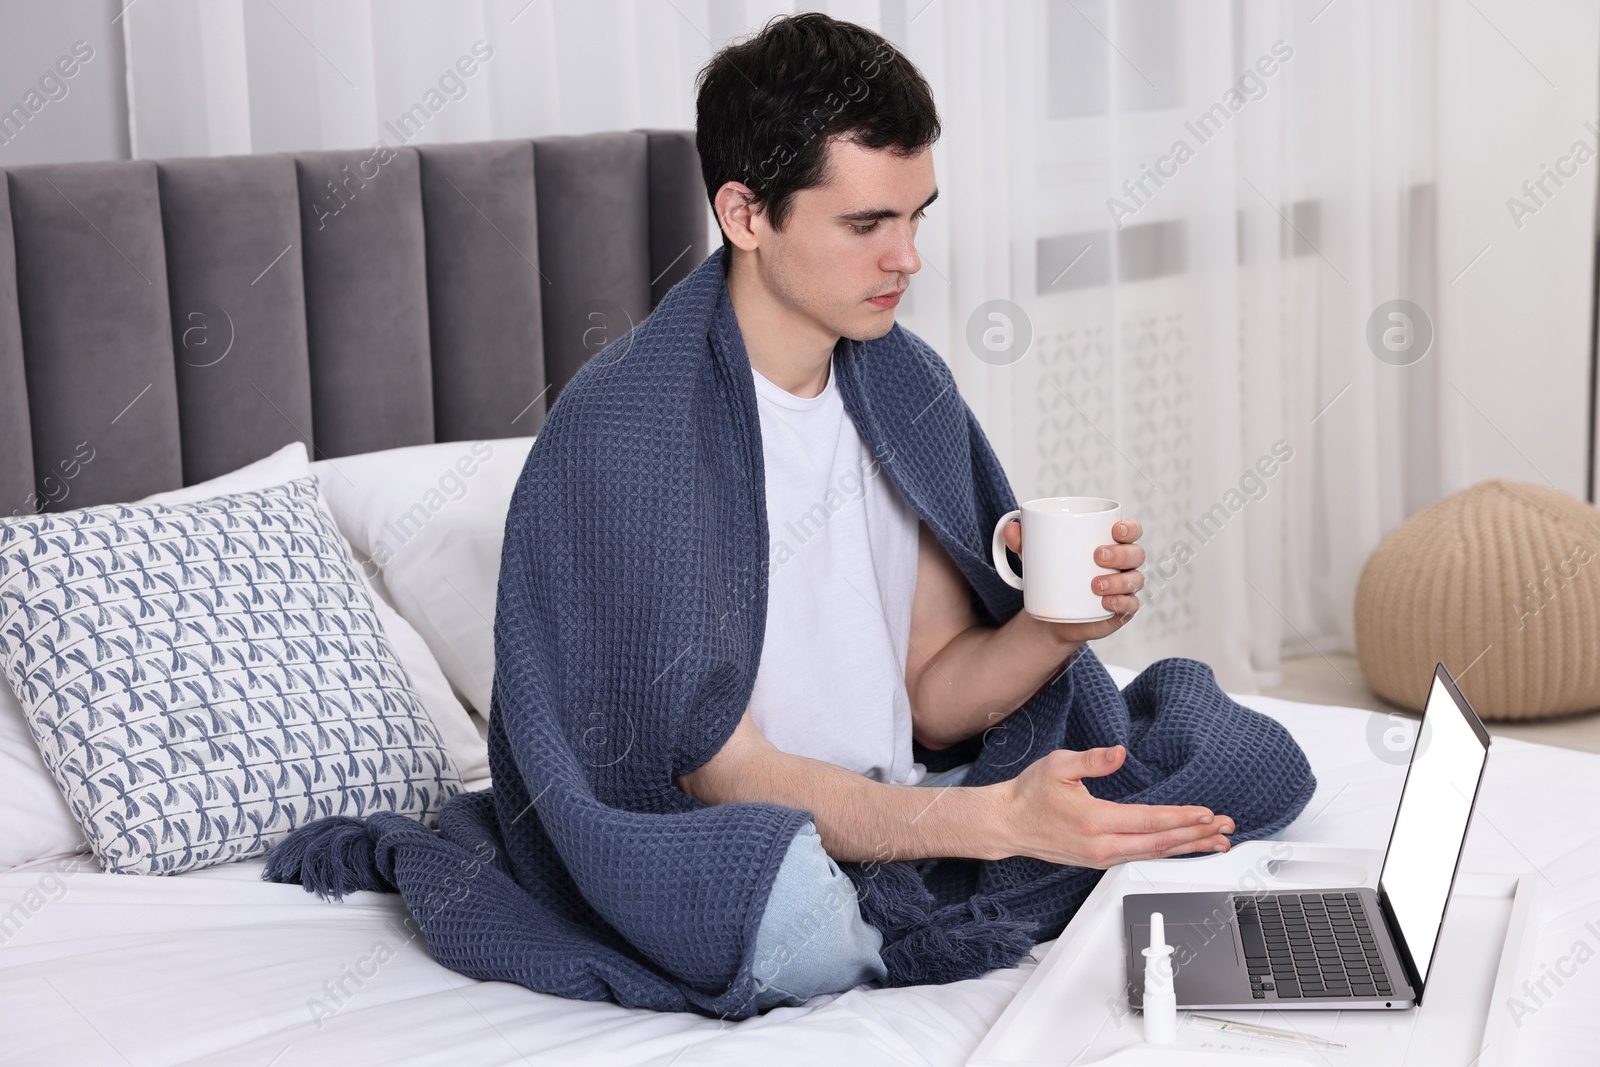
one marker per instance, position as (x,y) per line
(1160,1002)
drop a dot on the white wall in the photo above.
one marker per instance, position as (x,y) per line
(1518,82)
(88,122)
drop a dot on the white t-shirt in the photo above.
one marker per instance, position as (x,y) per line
(843,572)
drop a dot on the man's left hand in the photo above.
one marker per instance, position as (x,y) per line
(1116,590)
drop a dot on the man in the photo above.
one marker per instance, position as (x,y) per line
(871,641)
(728,646)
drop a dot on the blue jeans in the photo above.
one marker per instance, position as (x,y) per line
(812,939)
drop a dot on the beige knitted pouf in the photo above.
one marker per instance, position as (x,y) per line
(1501,583)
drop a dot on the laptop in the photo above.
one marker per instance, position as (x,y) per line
(1339,948)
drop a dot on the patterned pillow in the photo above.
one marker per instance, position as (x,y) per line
(202,678)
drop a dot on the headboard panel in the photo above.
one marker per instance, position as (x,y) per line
(238,328)
(365,259)
(16,442)
(678,212)
(353,300)
(480,273)
(589,225)
(96,331)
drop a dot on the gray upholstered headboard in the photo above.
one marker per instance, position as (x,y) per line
(170,321)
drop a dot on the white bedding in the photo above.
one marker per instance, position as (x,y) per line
(216,966)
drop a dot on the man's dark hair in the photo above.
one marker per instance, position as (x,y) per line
(767,107)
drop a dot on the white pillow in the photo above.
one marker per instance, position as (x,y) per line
(467,747)
(38,823)
(204,677)
(433,518)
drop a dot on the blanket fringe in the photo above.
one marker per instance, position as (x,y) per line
(330,857)
(924,948)
(934,954)
(892,896)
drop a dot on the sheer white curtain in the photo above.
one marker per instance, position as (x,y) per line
(1198,336)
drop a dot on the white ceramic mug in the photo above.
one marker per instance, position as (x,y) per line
(1059,537)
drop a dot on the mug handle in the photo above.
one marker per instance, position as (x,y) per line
(998,550)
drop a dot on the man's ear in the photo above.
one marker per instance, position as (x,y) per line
(736,215)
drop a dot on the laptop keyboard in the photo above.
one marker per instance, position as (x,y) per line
(1310,945)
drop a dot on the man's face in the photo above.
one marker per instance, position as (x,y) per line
(850,239)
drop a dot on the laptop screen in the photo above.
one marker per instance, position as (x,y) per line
(1431,825)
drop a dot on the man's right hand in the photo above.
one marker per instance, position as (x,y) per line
(1044,812)
(1047,813)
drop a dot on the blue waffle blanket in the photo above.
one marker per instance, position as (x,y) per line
(629,624)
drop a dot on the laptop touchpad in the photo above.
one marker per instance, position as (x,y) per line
(1202,955)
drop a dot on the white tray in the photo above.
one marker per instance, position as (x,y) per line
(1074,1008)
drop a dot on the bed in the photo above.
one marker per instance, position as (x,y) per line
(419,307)
(219,967)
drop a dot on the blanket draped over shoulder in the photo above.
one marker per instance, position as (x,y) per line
(629,625)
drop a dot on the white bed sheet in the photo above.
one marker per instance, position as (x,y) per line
(217,966)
